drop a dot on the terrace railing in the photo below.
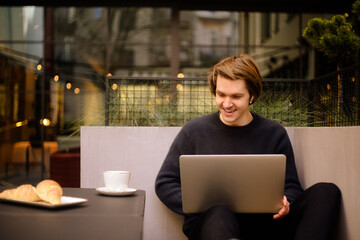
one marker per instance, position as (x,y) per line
(335,98)
(332,100)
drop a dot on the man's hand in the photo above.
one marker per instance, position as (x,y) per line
(284,210)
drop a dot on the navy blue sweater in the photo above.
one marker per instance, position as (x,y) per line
(209,135)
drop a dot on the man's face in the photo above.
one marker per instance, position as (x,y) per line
(232,99)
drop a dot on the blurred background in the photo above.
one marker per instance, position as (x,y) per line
(63,66)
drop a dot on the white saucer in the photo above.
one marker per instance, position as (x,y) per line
(105,191)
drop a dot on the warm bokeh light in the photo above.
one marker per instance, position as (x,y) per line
(21,123)
(114,86)
(180,75)
(179,87)
(56,78)
(109,75)
(39,67)
(158,101)
(68,85)
(45,122)
(77,90)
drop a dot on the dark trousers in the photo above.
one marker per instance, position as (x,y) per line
(313,215)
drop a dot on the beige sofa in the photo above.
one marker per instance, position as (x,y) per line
(322,154)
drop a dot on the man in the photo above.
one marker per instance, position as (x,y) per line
(236,84)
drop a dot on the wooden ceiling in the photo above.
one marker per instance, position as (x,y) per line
(296,6)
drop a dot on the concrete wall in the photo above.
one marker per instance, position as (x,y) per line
(322,154)
(332,154)
(140,150)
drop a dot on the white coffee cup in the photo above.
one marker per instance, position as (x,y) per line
(116,180)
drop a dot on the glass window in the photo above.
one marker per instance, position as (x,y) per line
(80,24)
(140,41)
(91,43)
(21,23)
(62,77)
(206,37)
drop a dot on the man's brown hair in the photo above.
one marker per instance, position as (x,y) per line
(234,68)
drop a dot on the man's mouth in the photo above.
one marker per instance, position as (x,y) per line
(229,111)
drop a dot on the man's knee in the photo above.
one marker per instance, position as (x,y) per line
(219,223)
(328,188)
(220,211)
(327,192)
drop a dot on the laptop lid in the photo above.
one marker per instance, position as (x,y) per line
(243,183)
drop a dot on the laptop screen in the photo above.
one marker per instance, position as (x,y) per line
(243,183)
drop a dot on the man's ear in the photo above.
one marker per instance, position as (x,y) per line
(251,100)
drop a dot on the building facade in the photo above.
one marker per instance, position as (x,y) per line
(54,60)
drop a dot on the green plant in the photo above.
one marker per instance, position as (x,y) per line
(337,39)
(284,103)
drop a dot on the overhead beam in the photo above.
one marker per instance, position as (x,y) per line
(296,6)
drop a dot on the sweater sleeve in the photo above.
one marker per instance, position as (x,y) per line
(167,183)
(293,187)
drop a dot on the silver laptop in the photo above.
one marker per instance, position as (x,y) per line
(243,183)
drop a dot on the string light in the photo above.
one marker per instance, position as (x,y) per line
(77,90)
(21,123)
(39,67)
(180,75)
(45,122)
(56,78)
(158,101)
(68,85)
(114,86)
(179,87)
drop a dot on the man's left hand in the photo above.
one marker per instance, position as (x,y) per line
(284,210)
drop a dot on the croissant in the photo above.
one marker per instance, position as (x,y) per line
(25,192)
(49,191)
(7,194)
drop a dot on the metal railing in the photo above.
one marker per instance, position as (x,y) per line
(140,101)
(332,100)
(335,98)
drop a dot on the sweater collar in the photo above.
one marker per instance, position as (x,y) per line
(249,126)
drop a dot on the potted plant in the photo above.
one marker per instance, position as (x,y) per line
(337,39)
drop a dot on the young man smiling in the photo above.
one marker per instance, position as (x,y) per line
(236,84)
(232,100)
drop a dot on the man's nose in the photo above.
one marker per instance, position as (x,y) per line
(227,102)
